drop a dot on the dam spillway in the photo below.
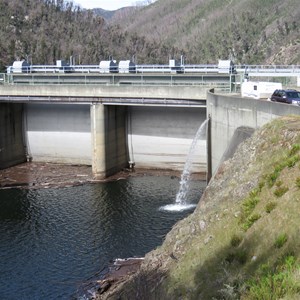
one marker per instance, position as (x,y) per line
(107,137)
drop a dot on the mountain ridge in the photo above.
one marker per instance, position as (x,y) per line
(246,31)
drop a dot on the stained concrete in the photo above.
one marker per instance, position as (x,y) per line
(12,147)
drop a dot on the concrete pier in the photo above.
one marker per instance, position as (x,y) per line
(109,146)
(12,146)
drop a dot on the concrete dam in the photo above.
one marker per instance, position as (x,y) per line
(111,127)
(153,134)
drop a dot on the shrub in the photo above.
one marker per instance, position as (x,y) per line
(235,240)
(250,221)
(280,191)
(292,161)
(239,256)
(295,148)
(281,240)
(248,206)
(271,178)
(270,206)
(298,182)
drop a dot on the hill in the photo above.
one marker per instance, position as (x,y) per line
(45,31)
(246,31)
(117,14)
(105,14)
(242,241)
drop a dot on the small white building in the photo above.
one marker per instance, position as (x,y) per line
(108,66)
(176,66)
(126,66)
(259,89)
(63,66)
(225,67)
(20,66)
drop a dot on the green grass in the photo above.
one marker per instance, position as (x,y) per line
(289,160)
(274,283)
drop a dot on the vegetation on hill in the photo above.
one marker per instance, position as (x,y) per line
(242,241)
(246,31)
(43,31)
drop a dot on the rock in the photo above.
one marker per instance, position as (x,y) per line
(202,225)
(208,239)
(104,287)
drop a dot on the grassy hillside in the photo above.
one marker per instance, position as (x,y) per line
(242,241)
(247,31)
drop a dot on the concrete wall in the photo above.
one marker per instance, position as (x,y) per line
(59,133)
(12,148)
(108,137)
(228,113)
(168,92)
(160,137)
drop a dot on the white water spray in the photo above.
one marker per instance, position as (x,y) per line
(181,197)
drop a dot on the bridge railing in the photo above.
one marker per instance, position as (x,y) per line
(292,69)
(115,80)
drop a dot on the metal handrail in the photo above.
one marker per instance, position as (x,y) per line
(268,68)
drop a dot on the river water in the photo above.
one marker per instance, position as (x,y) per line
(52,241)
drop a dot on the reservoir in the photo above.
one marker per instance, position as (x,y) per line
(55,240)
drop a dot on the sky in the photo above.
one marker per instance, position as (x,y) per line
(105,4)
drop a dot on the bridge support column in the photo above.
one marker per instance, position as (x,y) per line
(98,140)
(109,141)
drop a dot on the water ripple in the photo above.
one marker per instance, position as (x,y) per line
(53,240)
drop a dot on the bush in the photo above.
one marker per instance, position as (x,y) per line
(270,206)
(248,206)
(235,240)
(281,240)
(298,182)
(280,191)
(250,221)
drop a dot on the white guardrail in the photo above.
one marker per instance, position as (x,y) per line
(196,68)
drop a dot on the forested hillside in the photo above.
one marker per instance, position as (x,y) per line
(43,31)
(247,31)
